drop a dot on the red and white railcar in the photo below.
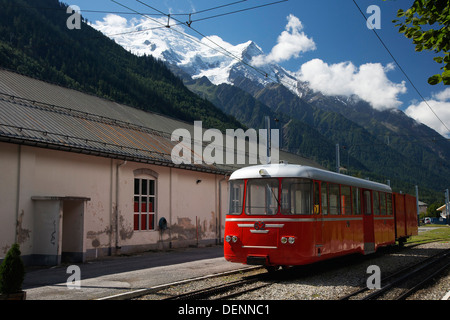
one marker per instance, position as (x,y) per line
(283,215)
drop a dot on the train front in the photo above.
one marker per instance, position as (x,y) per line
(270,220)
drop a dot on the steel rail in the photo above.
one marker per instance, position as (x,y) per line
(399,276)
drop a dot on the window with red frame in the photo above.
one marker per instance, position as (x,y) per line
(144,204)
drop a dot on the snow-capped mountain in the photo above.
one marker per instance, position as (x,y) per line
(210,57)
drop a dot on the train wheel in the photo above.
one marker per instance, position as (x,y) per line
(272,269)
(401,243)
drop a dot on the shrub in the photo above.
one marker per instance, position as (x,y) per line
(12,271)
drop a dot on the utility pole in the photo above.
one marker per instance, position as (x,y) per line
(447,209)
(338,160)
(269,141)
(417,204)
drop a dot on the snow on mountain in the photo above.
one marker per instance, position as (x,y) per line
(211,57)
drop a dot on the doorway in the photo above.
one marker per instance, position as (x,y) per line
(58,230)
(72,231)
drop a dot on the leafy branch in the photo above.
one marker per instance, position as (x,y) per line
(427,23)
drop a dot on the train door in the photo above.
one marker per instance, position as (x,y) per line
(318,208)
(369,236)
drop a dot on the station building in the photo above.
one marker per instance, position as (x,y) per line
(83,177)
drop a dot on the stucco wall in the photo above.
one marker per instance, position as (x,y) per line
(188,200)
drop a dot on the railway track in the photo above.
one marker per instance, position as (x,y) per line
(251,281)
(407,281)
(226,290)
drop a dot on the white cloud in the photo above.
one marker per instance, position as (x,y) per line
(290,43)
(443,95)
(369,81)
(112,23)
(440,103)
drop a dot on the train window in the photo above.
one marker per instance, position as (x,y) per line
(382,203)
(376,203)
(316,197)
(335,207)
(285,207)
(236,196)
(262,196)
(346,200)
(324,196)
(389,203)
(299,196)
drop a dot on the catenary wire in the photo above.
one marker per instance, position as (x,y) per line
(225,51)
(209,9)
(400,67)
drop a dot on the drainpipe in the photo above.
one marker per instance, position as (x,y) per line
(220,207)
(170,207)
(19,164)
(117,203)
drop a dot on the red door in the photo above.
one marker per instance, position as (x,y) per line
(369,237)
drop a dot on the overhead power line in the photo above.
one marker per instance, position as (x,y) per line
(209,9)
(83,10)
(228,53)
(400,67)
(222,49)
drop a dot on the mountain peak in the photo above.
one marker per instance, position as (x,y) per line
(250,50)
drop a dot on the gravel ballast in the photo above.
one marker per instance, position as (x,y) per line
(332,279)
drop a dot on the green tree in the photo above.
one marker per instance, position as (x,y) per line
(12,271)
(432,210)
(427,23)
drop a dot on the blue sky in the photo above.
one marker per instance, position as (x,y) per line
(342,42)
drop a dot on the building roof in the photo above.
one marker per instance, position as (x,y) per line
(41,114)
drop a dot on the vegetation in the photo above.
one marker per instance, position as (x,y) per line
(12,271)
(35,41)
(427,23)
(432,209)
(442,232)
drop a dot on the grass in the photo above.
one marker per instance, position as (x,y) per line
(441,232)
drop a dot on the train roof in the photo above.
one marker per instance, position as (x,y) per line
(298,171)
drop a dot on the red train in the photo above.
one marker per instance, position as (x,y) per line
(285,215)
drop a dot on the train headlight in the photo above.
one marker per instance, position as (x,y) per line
(291,240)
(284,240)
(234,239)
(228,238)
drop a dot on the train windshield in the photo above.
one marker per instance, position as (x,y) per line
(236,196)
(262,196)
